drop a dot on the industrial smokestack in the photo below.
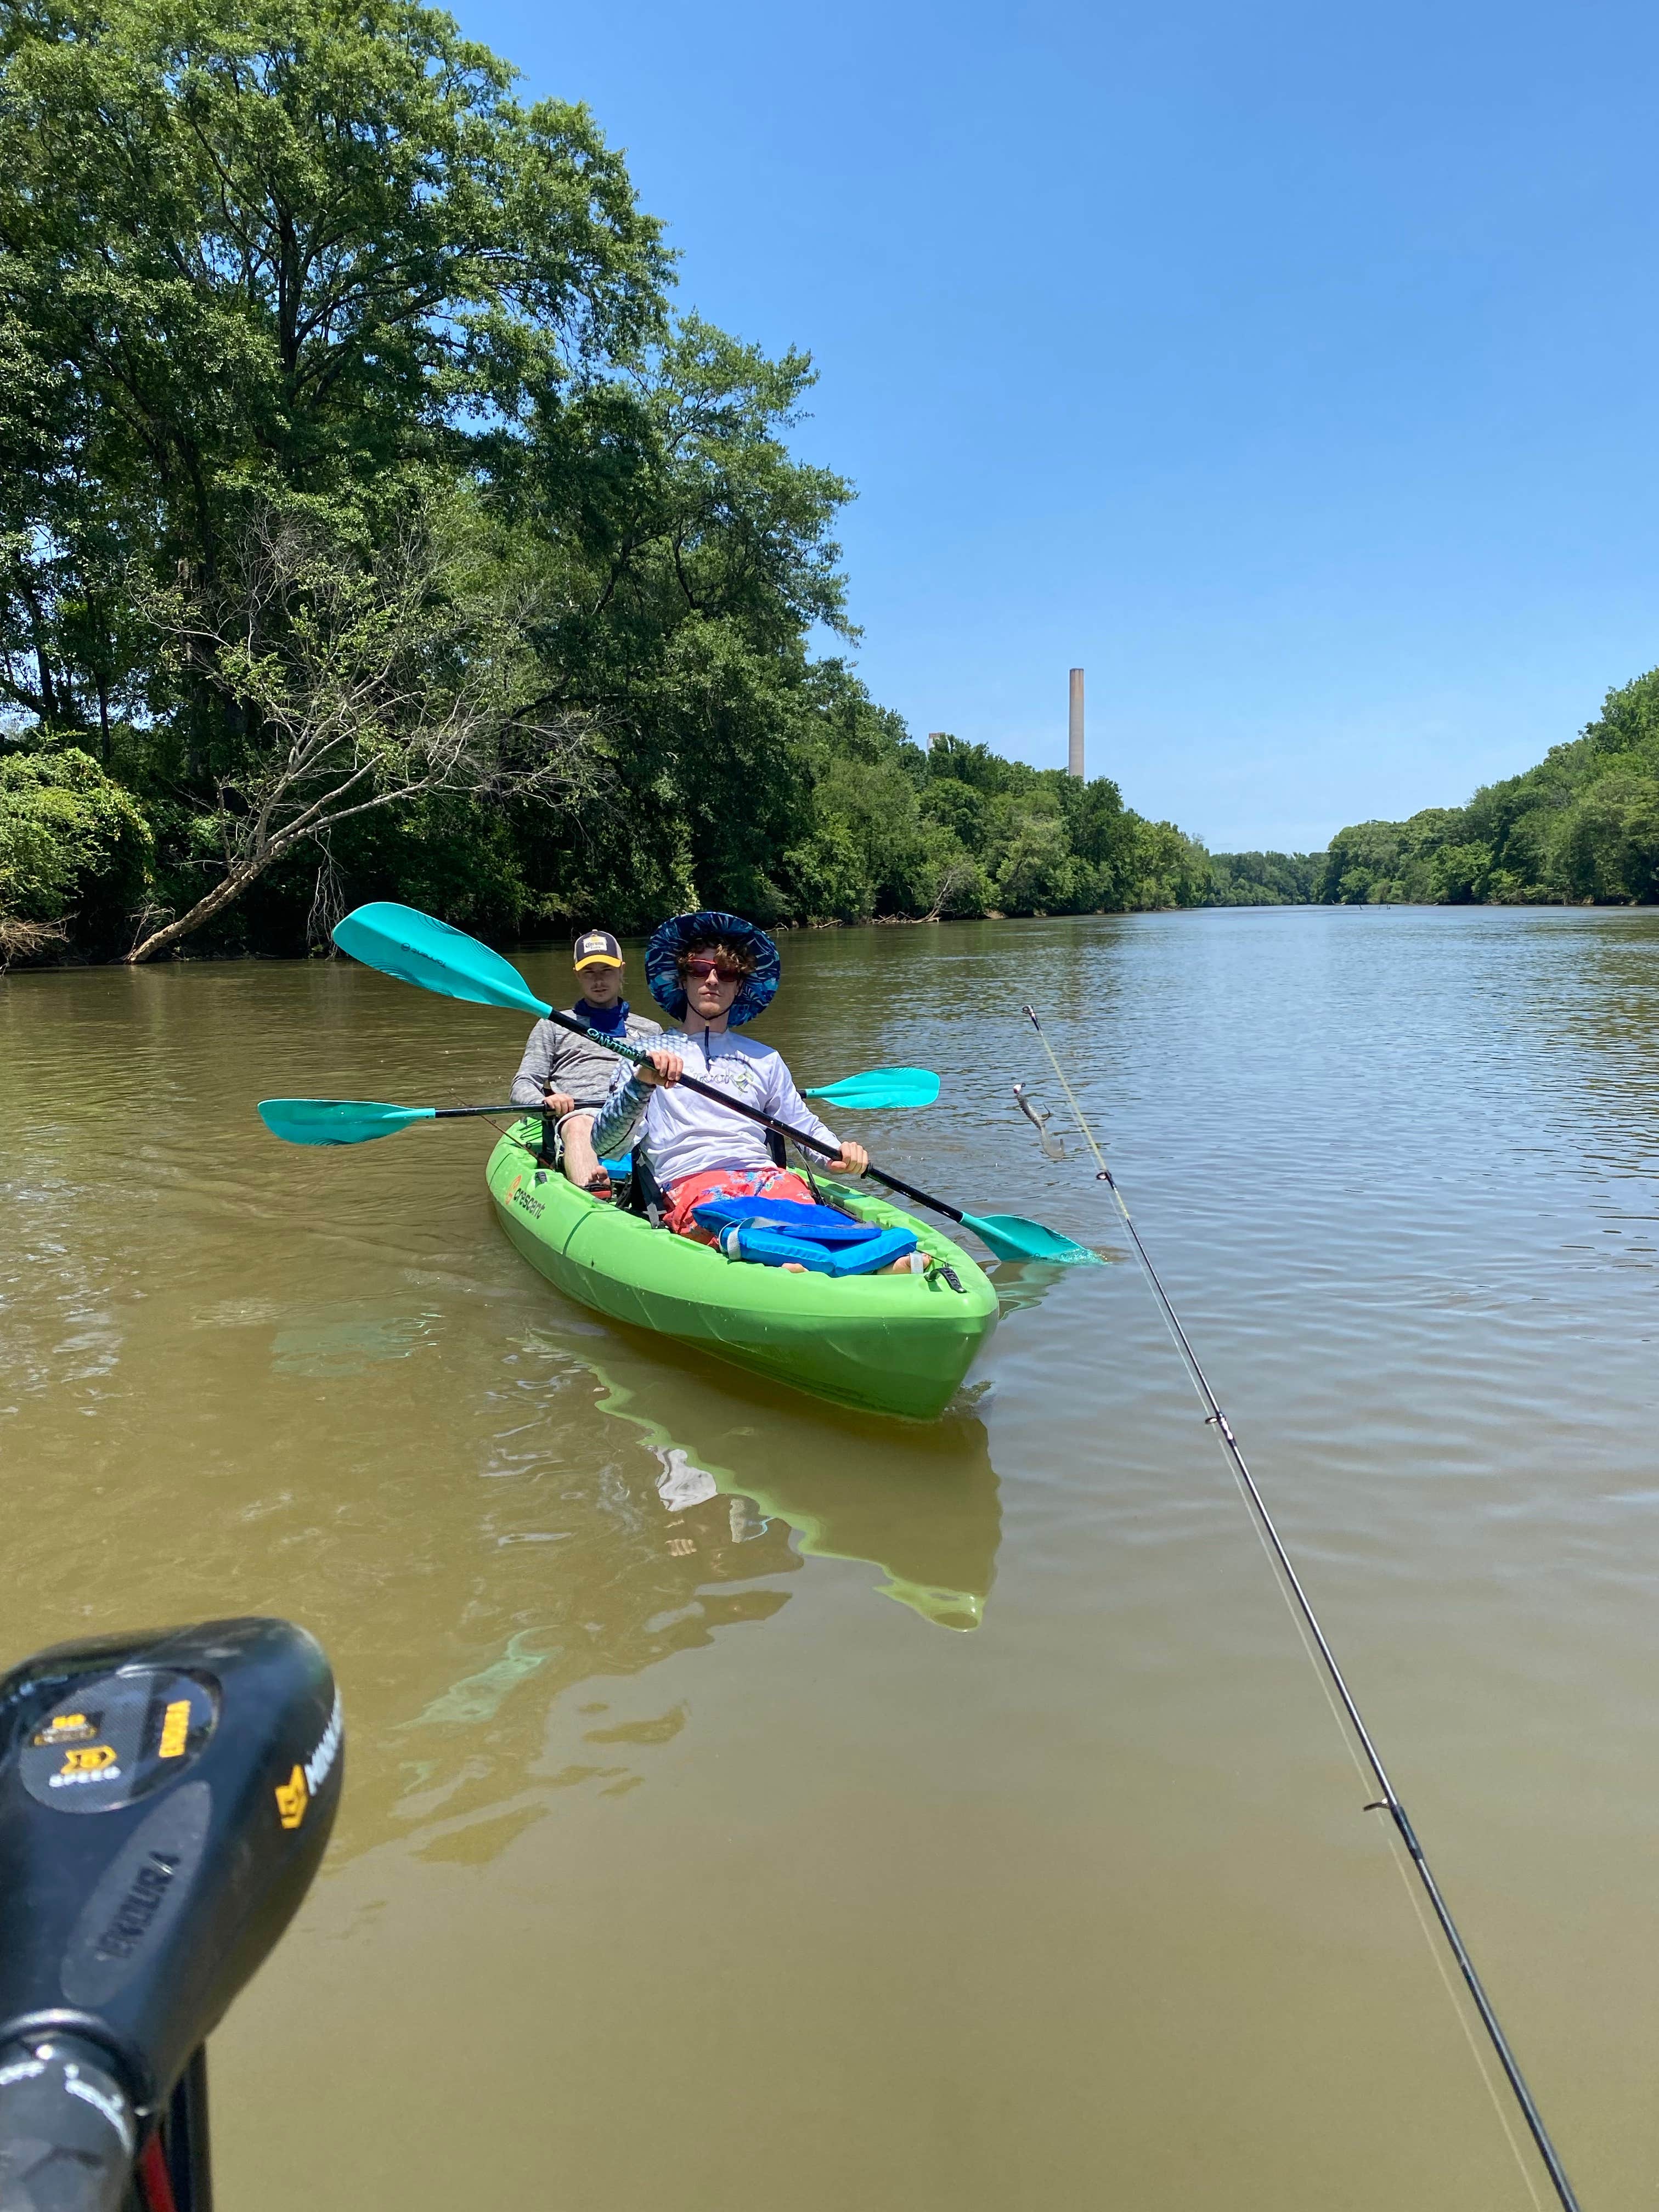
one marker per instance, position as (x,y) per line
(1074,750)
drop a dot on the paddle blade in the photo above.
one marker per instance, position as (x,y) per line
(881,1086)
(1011,1236)
(401,941)
(336,1120)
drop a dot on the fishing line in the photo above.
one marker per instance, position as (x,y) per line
(1313,1639)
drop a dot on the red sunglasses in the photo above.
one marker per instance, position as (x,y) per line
(699,964)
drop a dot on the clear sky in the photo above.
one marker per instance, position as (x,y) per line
(1292,367)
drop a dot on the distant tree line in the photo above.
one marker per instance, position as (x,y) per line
(1581,826)
(1265,879)
(370,525)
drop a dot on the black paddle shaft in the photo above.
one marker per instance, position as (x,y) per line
(636,1054)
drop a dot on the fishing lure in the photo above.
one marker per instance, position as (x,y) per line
(1039,1117)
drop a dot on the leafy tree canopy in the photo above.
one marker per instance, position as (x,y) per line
(370,525)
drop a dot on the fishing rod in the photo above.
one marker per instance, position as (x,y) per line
(1390,1800)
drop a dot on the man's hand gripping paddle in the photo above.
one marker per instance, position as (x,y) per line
(401,941)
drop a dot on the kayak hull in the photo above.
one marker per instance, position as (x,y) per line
(884,1344)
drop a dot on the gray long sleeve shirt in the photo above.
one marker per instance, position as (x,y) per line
(554,1060)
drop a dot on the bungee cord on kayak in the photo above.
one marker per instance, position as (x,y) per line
(1315,1640)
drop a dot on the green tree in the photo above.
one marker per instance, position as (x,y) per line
(1265,879)
(1608,840)
(71,842)
(361,684)
(683,555)
(268,251)
(1579,825)
(358,481)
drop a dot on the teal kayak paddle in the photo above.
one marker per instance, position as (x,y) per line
(878,1087)
(360,1120)
(401,941)
(354,1120)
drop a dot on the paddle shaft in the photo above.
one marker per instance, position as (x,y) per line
(460,1113)
(808,1144)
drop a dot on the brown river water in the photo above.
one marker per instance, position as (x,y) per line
(748,1804)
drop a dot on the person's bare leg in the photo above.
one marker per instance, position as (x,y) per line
(581,1161)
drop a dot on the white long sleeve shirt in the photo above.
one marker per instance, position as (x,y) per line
(686,1135)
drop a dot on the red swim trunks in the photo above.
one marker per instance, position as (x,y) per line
(729,1183)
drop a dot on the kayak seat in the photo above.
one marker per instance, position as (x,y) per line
(791,1217)
(771,1248)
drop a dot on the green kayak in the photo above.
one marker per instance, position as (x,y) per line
(884,1344)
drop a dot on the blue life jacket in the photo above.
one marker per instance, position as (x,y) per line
(822,1225)
(771,1231)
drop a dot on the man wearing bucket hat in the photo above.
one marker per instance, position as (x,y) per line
(712,972)
(567,1077)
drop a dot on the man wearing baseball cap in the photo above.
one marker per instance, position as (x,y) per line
(567,1077)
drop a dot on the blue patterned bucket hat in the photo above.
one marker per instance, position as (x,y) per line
(672,939)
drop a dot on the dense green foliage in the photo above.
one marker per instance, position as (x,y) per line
(1265,879)
(1582,825)
(370,527)
(73,847)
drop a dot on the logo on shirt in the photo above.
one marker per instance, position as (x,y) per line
(732,1073)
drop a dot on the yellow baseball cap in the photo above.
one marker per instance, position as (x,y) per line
(597,949)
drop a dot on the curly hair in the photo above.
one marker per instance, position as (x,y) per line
(740,956)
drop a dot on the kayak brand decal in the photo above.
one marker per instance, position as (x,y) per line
(294,1797)
(529,1204)
(117,1739)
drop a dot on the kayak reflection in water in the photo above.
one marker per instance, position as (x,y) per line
(712,972)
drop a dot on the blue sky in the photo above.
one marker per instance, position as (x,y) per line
(1291,367)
